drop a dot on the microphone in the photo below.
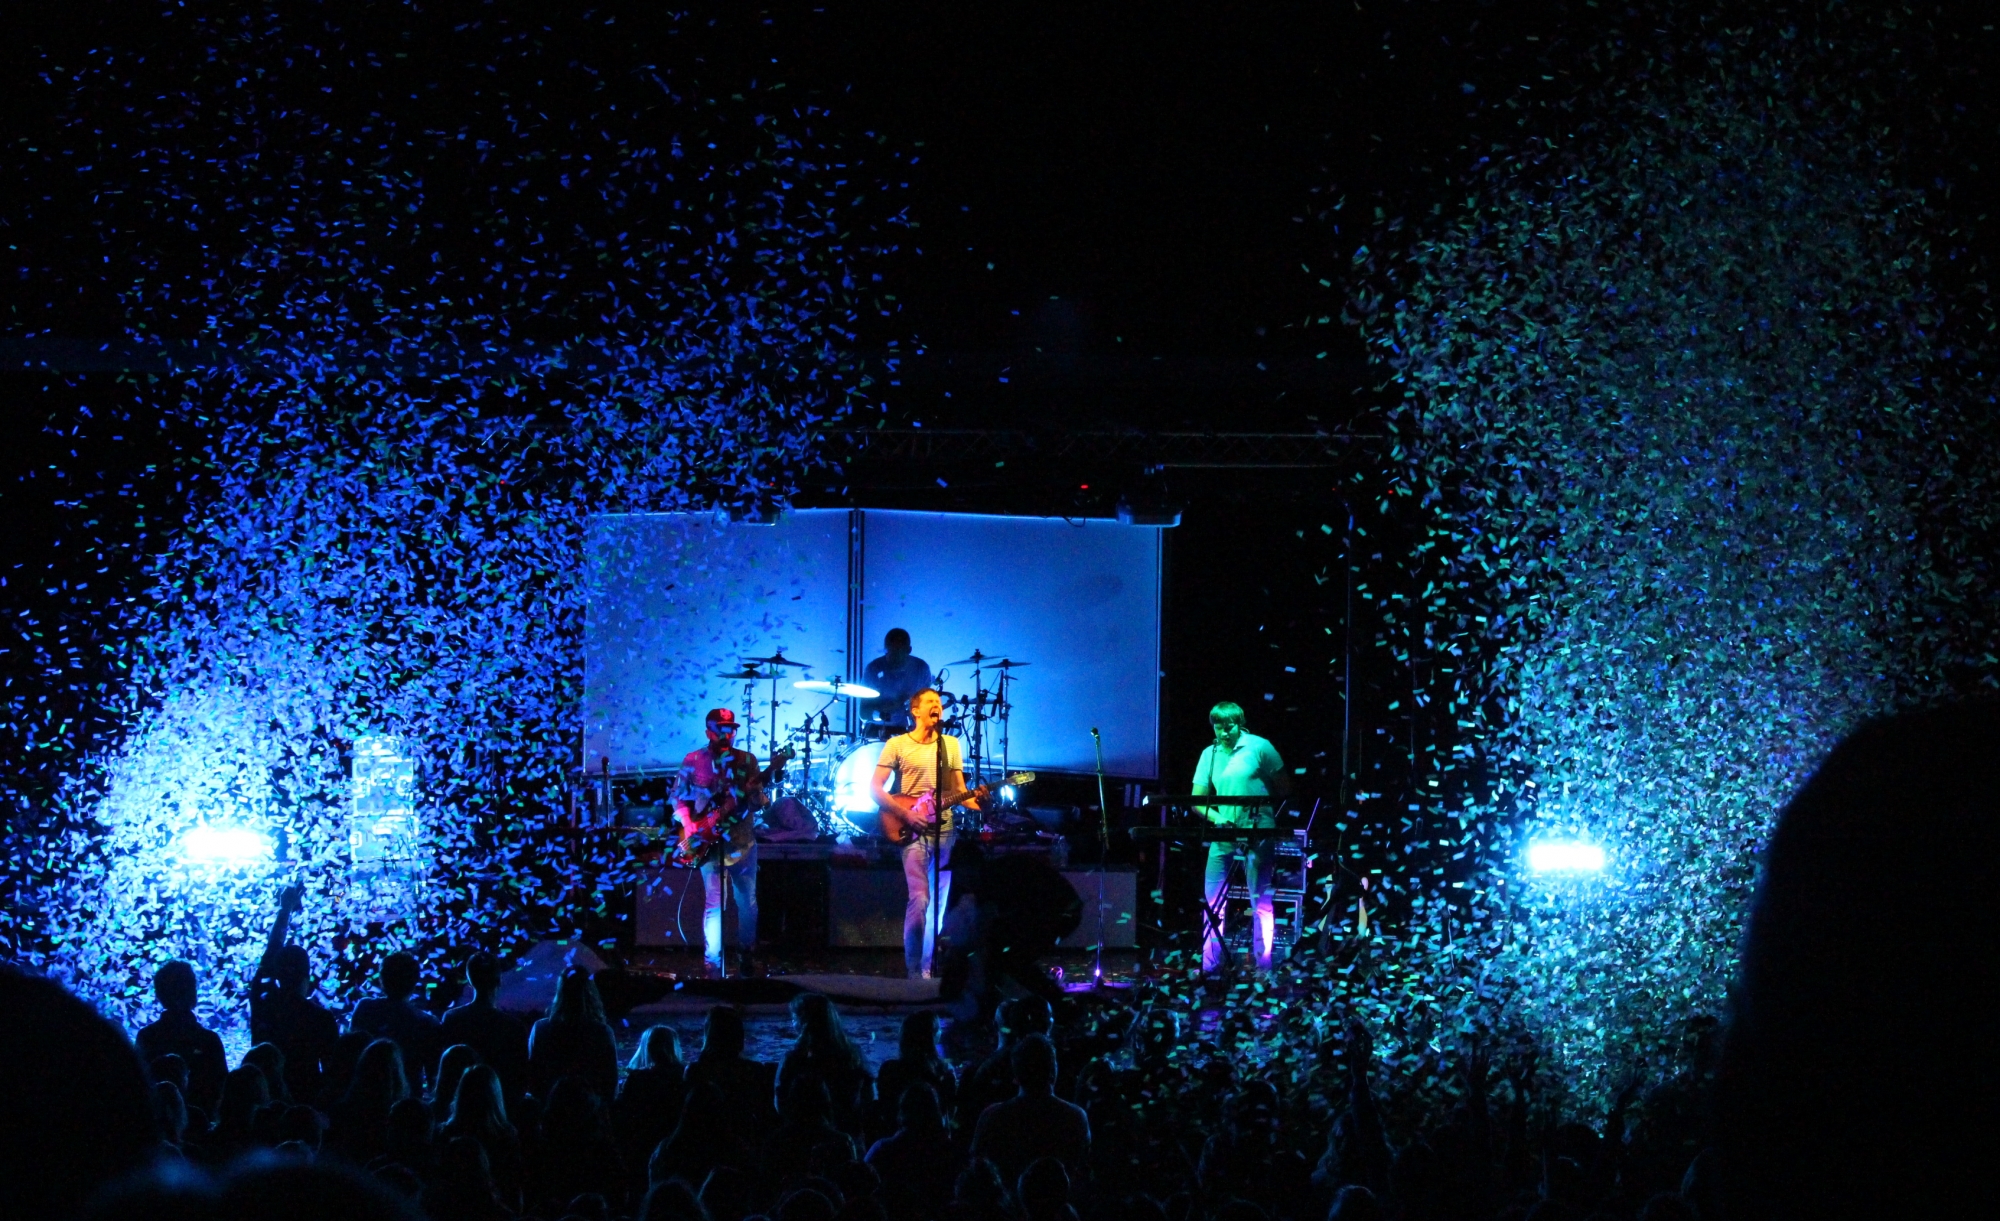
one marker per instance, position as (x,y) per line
(1093,731)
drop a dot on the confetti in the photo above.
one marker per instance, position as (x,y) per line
(412,327)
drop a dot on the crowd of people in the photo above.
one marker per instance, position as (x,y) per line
(1853,1079)
(479,1116)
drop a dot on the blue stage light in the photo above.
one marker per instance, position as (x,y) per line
(1565,856)
(1007,792)
(206,845)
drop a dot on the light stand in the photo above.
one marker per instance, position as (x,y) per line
(1103,851)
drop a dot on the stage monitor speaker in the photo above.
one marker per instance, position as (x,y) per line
(669,910)
(1120,915)
(865,908)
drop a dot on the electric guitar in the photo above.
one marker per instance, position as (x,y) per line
(705,833)
(905,818)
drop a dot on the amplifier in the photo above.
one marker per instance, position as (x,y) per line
(669,909)
(863,908)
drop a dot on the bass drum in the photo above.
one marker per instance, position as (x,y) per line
(854,780)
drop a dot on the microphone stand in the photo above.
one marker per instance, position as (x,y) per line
(1103,851)
(937,850)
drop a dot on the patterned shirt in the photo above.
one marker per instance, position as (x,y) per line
(705,780)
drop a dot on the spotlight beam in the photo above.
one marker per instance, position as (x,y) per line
(206,845)
(1565,856)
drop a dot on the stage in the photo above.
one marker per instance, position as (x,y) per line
(851,896)
(668,987)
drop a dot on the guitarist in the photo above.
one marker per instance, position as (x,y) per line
(921,762)
(720,785)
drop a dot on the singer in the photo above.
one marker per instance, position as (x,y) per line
(1239,764)
(927,765)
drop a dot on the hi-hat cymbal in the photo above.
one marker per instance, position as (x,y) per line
(1005,664)
(853,691)
(977,660)
(776,659)
(745,674)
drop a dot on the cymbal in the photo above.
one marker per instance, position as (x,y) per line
(776,659)
(853,691)
(745,674)
(980,661)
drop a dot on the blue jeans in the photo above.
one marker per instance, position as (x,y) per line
(742,898)
(918,950)
(1257,857)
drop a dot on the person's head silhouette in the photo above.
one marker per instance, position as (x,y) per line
(78,1110)
(1857,1066)
(175,988)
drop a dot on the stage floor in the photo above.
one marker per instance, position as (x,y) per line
(867,985)
(1119,965)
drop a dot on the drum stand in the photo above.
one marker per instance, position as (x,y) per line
(1003,709)
(750,703)
(773,737)
(987,705)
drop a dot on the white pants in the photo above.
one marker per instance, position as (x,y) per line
(1257,856)
(919,952)
(742,898)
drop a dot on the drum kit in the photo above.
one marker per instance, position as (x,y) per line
(831,780)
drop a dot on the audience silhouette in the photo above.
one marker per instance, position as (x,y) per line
(177,1032)
(393,1016)
(500,1038)
(282,1009)
(1857,1076)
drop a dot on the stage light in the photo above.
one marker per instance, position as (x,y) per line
(1565,856)
(1007,792)
(206,845)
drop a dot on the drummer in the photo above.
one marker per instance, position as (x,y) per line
(897,675)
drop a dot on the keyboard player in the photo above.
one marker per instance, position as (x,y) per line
(1239,764)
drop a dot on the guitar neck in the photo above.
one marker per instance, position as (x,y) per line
(962,797)
(901,813)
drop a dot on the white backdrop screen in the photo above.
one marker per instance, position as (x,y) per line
(677,599)
(1079,601)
